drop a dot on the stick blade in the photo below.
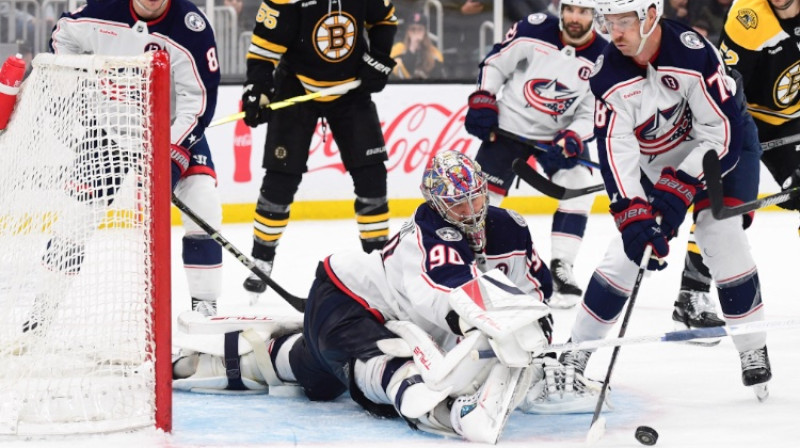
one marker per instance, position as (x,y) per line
(596,431)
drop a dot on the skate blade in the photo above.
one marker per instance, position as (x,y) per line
(761,391)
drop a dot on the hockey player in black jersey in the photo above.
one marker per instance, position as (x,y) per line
(759,42)
(300,47)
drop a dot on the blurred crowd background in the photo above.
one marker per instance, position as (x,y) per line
(437,41)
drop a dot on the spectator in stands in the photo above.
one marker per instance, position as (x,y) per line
(677,10)
(713,12)
(513,10)
(416,55)
(245,12)
(702,27)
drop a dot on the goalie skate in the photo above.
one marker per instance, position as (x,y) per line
(566,292)
(694,309)
(560,390)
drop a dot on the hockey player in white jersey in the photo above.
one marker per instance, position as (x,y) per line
(130,27)
(664,99)
(536,84)
(375,323)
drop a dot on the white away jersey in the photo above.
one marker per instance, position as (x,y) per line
(427,259)
(667,114)
(111,27)
(545,84)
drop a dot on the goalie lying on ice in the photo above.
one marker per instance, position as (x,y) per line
(398,328)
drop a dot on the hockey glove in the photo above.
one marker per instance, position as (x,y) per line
(671,197)
(180,162)
(482,115)
(635,220)
(552,159)
(374,72)
(792,181)
(255,97)
(570,143)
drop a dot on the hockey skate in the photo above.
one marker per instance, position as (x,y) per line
(566,292)
(694,309)
(756,371)
(207,308)
(253,283)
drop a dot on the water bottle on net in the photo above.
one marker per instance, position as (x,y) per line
(11,75)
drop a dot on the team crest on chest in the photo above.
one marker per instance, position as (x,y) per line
(549,96)
(335,36)
(449,234)
(666,129)
(787,86)
(748,18)
(194,22)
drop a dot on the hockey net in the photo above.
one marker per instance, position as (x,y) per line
(84,248)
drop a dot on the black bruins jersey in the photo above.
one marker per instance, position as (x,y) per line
(319,41)
(766,51)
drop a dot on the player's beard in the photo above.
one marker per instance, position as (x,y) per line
(576,31)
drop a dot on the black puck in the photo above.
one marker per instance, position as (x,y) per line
(646,435)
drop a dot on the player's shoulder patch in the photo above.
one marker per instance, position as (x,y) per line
(747,18)
(692,40)
(194,22)
(537,19)
(449,234)
(598,65)
(517,218)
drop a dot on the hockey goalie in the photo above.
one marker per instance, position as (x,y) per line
(445,327)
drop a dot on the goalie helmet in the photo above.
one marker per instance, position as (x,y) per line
(454,185)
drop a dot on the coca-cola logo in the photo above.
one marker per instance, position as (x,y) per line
(412,137)
(245,139)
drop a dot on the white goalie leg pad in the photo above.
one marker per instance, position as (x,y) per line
(210,376)
(456,371)
(481,417)
(558,389)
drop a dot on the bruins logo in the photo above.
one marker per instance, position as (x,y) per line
(335,36)
(787,86)
(748,18)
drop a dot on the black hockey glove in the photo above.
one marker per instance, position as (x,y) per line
(374,72)
(255,97)
(792,181)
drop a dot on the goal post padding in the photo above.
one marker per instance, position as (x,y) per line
(85,248)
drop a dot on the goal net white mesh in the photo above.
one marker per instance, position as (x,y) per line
(77,339)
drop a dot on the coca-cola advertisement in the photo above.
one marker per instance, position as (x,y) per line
(417,121)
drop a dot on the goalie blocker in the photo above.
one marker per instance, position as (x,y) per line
(437,391)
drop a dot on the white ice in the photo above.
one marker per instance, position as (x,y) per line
(691,395)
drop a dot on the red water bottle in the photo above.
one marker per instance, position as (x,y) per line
(242,147)
(10,79)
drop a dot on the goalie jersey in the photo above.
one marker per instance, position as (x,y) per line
(667,114)
(111,28)
(545,84)
(419,266)
(763,48)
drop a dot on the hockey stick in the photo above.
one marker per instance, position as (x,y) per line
(335,90)
(535,145)
(297,303)
(713,177)
(598,426)
(670,336)
(766,146)
(536,180)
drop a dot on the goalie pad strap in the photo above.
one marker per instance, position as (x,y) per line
(232,369)
(263,361)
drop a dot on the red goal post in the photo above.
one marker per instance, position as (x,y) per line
(85,327)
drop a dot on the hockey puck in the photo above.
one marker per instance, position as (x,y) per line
(646,435)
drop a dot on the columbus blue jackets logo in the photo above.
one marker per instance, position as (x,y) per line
(666,129)
(449,234)
(335,36)
(194,22)
(549,96)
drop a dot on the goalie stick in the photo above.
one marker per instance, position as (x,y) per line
(535,179)
(297,303)
(538,147)
(713,178)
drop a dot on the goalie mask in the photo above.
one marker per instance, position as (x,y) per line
(454,185)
